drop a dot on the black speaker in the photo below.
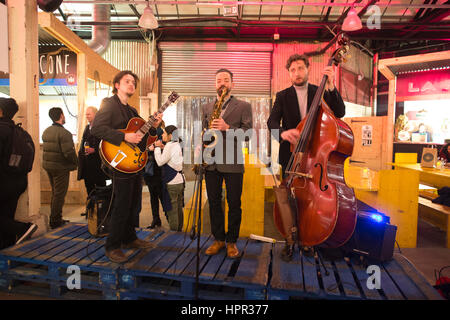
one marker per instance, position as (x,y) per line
(97,209)
(374,237)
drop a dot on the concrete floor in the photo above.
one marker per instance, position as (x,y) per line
(429,256)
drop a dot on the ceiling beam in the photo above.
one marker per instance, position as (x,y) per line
(434,16)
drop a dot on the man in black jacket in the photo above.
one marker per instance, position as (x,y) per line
(114,114)
(292,104)
(89,163)
(12,184)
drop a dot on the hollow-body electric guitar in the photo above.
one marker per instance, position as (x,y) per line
(129,157)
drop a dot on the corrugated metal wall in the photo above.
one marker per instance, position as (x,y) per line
(283,51)
(357,62)
(189,68)
(134,56)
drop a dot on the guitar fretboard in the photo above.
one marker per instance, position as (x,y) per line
(146,127)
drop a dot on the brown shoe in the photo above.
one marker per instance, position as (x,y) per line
(215,248)
(116,256)
(232,250)
(138,244)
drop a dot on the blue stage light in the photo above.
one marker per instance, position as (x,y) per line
(377,217)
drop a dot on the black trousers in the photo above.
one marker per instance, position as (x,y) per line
(10,191)
(233,184)
(154,185)
(126,206)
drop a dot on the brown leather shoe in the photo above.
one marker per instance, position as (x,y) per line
(138,244)
(232,250)
(215,248)
(116,256)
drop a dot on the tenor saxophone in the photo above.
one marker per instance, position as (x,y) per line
(217,110)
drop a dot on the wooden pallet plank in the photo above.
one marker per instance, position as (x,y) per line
(148,259)
(73,253)
(347,280)
(66,230)
(172,254)
(254,265)
(224,270)
(104,262)
(286,275)
(94,251)
(31,245)
(64,249)
(310,275)
(330,284)
(406,285)
(417,277)
(52,245)
(187,257)
(212,266)
(191,269)
(362,276)
(388,287)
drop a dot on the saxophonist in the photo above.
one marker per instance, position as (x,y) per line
(233,114)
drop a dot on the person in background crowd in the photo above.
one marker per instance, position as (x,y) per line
(89,167)
(153,179)
(12,184)
(59,158)
(171,161)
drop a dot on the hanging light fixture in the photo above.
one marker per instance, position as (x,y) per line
(352,22)
(148,20)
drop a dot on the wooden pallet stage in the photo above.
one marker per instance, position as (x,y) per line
(168,271)
(44,261)
(305,277)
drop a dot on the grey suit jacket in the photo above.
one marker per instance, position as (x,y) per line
(238,115)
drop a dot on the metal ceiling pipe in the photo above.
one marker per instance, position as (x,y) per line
(101,34)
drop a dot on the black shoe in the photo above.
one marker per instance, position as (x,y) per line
(54,225)
(27,234)
(155,224)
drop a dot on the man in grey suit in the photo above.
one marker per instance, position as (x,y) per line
(235,118)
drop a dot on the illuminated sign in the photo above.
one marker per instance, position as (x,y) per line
(423,83)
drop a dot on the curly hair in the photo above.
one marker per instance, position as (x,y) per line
(297,57)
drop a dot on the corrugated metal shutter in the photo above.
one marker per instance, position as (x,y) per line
(189,68)
(134,56)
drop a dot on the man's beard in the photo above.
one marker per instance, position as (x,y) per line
(302,83)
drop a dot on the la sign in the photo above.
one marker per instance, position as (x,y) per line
(423,83)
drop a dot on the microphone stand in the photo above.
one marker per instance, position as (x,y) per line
(196,227)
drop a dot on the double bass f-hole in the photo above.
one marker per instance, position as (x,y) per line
(325,188)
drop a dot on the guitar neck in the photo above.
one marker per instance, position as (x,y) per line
(146,127)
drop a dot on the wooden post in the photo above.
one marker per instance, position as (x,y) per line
(24,77)
(389,142)
(388,146)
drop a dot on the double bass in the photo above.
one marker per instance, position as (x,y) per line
(313,205)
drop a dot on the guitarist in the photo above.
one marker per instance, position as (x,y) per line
(114,114)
